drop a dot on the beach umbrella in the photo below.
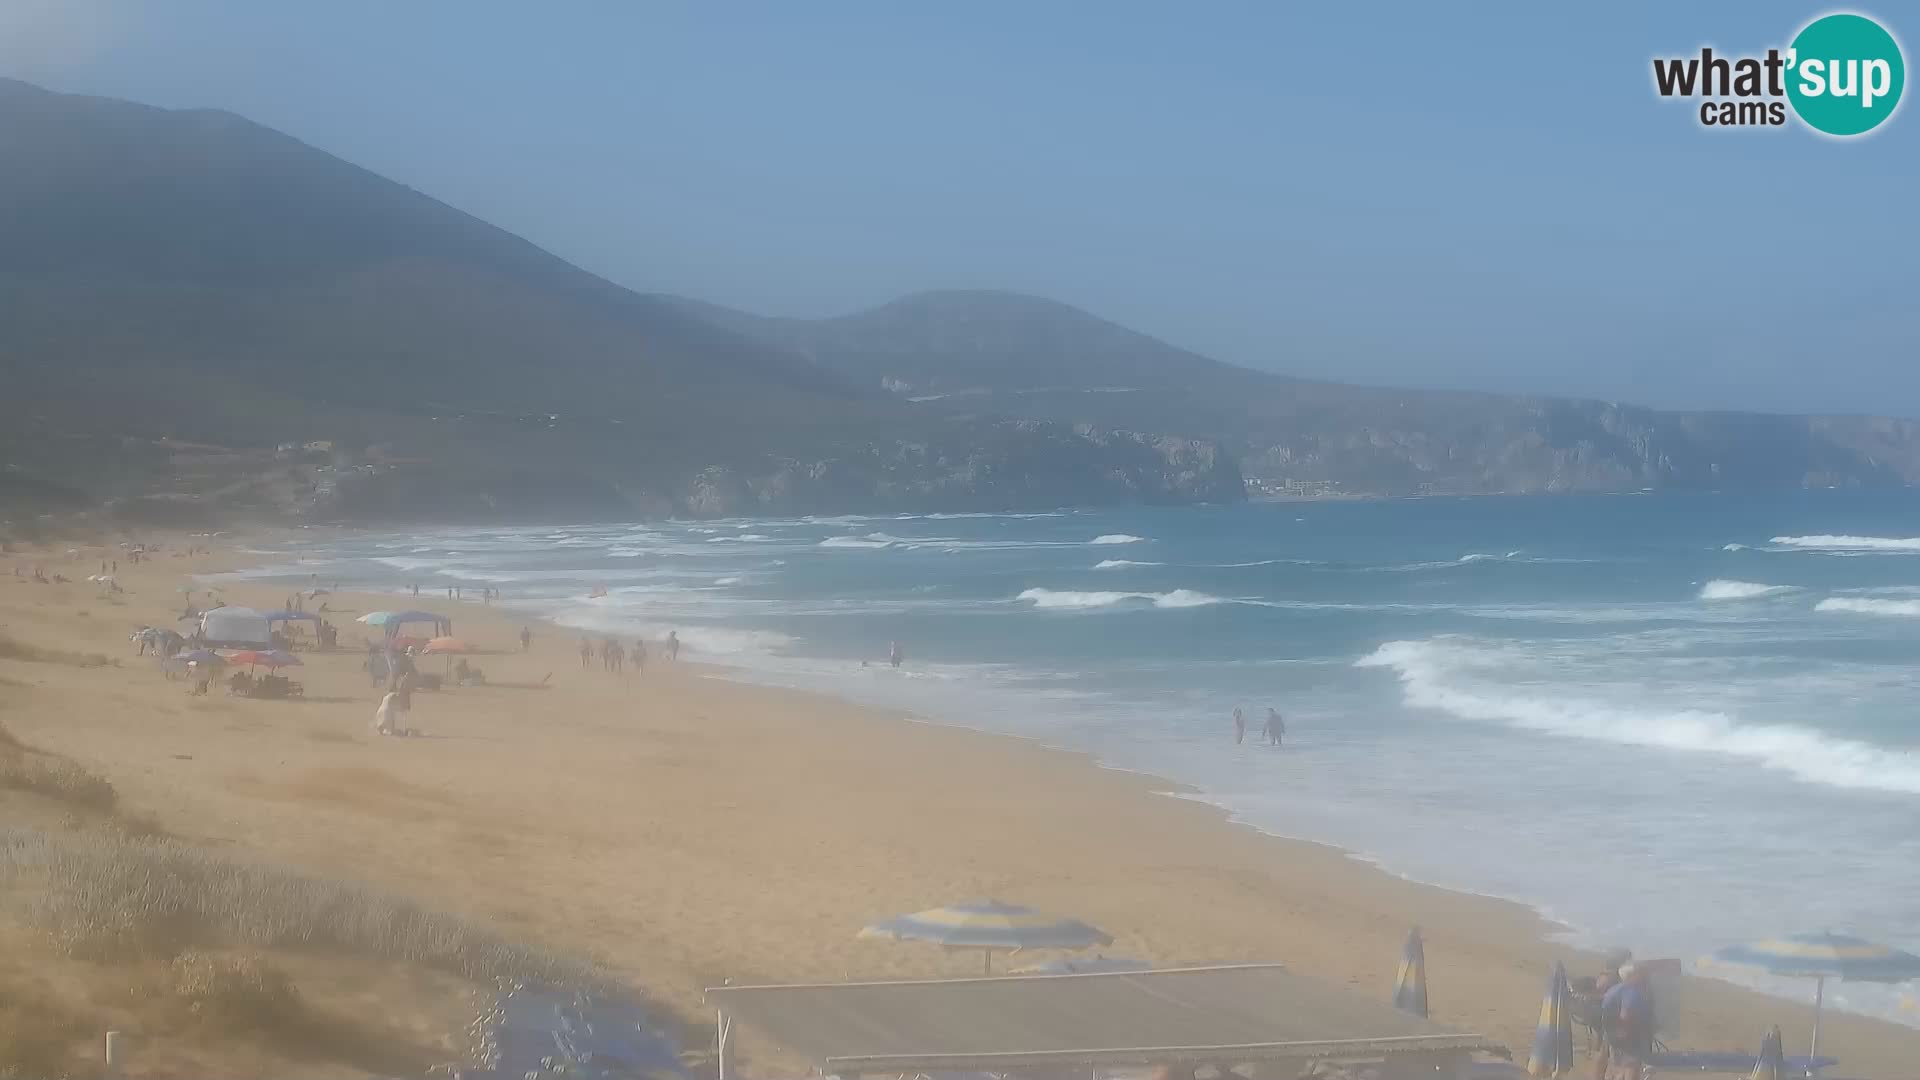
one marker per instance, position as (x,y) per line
(988,925)
(376,618)
(267,658)
(1553,1036)
(1821,957)
(1410,989)
(1772,1064)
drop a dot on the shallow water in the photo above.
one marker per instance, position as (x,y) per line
(1670,722)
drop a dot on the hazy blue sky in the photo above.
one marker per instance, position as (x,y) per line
(1439,194)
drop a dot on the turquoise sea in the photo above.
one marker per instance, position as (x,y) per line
(1669,722)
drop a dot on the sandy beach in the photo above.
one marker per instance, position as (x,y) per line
(681,829)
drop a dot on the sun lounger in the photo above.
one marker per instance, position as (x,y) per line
(1725,1061)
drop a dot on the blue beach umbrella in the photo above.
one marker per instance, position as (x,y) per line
(1410,989)
(1822,957)
(1552,1054)
(1773,1060)
(988,925)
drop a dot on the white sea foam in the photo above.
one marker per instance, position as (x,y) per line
(1829,542)
(1462,681)
(854,542)
(624,553)
(1116,564)
(1725,589)
(1117,538)
(1070,599)
(726,581)
(1735,547)
(1867,605)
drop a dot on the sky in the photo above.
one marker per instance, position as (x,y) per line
(1485,196)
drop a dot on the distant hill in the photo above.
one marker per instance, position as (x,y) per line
(1005,354)
(189,278)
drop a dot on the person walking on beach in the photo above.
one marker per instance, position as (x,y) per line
(1239,726)
(639,656)
(673,644)
(586,654)
(1276,730)
(616,656)
(526,639)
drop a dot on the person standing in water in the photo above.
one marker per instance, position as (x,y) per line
(1276,728)
(1239,726)
(893,653)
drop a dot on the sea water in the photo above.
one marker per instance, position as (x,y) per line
(1668,722)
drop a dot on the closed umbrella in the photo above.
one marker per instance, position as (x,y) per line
(1552,1054)
(1773,1061)
(1822,957)
(1410,989)
(988,925)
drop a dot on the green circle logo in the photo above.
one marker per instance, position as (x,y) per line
(1845,74)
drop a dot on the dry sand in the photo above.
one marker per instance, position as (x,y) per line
(683,830)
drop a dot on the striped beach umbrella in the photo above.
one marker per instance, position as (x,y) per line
(989,925)
(1821,957)
(1410,989)
(1552,1054)
(1773,1060)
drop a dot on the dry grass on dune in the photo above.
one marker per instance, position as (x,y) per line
(15,649)
(101,896)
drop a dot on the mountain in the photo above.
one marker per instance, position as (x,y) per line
(1005,354)
(184,292)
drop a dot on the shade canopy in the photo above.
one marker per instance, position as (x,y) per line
(989,924)
(1084,965)
(1219,1015)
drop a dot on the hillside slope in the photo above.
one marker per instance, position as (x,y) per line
(968,353)
(193,277)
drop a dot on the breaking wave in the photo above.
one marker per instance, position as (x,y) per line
(1452,678)
(1724,589)
(1115,564)
(1825,542)
(1117,538)
(854,542)
(1866,605)
(1062,599)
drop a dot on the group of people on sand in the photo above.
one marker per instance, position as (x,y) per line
(613,654)
(1274,731)
(1619,1006)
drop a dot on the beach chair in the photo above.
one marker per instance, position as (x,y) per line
(1710,1062)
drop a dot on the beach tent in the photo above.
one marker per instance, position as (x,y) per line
(235,627)
(292,616)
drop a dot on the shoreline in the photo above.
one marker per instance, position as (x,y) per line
(766,783)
